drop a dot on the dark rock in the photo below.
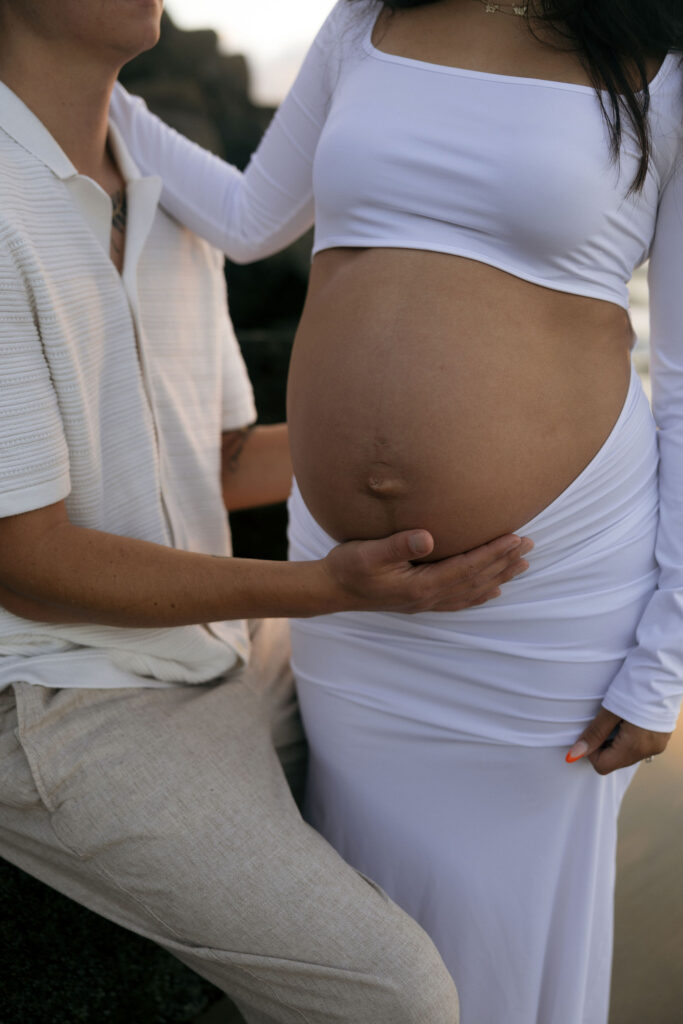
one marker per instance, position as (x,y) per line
(62,964)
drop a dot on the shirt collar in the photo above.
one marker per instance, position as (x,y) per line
(91,200)
(29,132)
(129,169)
(25,128)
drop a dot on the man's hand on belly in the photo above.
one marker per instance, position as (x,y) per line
(52,570)
(381,575)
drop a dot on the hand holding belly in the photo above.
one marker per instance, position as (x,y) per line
(382,575)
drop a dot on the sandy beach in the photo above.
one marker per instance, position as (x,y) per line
(648,955)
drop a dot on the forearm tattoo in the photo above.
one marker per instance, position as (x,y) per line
(233,446)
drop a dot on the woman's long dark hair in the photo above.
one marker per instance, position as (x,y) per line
(614,39)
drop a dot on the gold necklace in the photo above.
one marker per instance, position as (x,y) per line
(495,8)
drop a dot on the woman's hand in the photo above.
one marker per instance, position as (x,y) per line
(610,742)
(380,575)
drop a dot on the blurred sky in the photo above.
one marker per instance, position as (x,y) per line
(273,34)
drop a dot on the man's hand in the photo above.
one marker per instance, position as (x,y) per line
(610,742)
(54,571)
(380,575)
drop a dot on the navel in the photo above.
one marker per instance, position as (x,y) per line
(385,485)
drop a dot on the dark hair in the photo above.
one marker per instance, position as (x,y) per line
(613,39)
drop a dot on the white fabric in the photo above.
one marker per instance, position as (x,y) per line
(114,395)
(437,745)
(514,172)
(647,690)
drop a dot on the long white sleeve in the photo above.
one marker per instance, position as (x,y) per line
(253,214)
(647,691)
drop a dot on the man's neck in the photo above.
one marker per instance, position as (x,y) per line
(71,100)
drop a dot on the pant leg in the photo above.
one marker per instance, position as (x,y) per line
(269,676)
(167,812)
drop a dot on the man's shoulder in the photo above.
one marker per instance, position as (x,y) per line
(29,197)
(16,157)
(22,175)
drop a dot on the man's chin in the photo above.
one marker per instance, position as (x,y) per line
(141,43)
(144,19)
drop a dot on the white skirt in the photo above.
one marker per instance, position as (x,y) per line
(438,741)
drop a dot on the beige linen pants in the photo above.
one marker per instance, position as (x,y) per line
(167,811)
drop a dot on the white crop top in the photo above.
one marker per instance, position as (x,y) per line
(386,151)
(394,152)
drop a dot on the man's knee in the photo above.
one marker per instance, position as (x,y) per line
(413,988)
(420,988)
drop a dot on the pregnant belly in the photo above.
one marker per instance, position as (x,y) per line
(421,405)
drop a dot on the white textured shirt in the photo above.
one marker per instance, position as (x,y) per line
(114,391)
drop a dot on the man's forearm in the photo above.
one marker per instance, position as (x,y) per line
(53,571)
(70,574)
(256,467)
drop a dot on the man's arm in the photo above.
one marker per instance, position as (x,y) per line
(53,571)
(256,468)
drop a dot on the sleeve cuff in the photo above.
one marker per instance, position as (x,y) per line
(664,721)
(239,414)
(28,499)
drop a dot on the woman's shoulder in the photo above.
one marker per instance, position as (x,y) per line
(666,109)
(669,78)
(350,12)
(348,21)
(666,88)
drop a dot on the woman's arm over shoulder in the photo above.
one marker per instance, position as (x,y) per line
(647,691)
(253,214)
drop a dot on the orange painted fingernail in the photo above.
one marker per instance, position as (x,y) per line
(579,750)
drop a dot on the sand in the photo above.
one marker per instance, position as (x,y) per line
(648,955)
